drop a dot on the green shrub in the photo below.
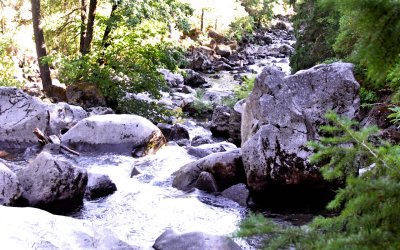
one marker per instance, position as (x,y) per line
(201,105)
(7,67)
(241,27)
(244,90)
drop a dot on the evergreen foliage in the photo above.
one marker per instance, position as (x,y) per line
(368,204)
(316,29)
(373,26)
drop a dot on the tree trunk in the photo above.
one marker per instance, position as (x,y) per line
(83,25)
(89,27)
(40,45)
(202,21)
(105,43)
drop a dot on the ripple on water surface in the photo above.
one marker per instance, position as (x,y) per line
(145,205)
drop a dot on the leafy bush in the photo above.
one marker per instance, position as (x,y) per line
(201,105)
(367,96)
(259,10)
(395,116)
(126,67)
(7,67)
(244,90)
(241,27)
(368,204)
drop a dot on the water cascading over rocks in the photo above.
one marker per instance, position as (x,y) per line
(283,113)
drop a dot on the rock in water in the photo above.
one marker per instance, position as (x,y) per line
(283,113)
(115,133)
(10,189)
(53,185)
(21,113)
(169,240)
(238,193)
(226,169)
(99,185)
(31,228)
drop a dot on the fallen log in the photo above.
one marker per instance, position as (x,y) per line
(44,139)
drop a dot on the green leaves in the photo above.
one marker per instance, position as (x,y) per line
(395,116)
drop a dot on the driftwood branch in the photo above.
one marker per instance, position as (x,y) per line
(44,139)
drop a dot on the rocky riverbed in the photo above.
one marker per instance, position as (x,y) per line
(136,185)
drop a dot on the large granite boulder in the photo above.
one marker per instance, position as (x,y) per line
(52,184)
(115,133)
(169,240)
(10,189)
(283,113)
(21,113)
(31,228)
(226,169)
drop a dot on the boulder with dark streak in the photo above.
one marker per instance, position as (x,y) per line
(283,113)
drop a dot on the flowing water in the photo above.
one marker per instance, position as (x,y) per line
(146,204)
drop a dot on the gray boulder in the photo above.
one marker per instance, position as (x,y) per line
(52,184)
(169,240)
(235,121)
(206,149)
(99,111)
(10,189)
(21,113)
(99,185)
(206,182)
(31,228)
(173,80)
(238,193)
(283,113)
(115,133)
(194,79)
(220,121)
(173,132)
(225,167)
(223,50)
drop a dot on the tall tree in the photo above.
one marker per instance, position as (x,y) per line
(83,25)
(40,44)
(89,27)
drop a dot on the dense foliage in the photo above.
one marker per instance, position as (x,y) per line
(364,32)
(7,68)
(368,205)
(316,29)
